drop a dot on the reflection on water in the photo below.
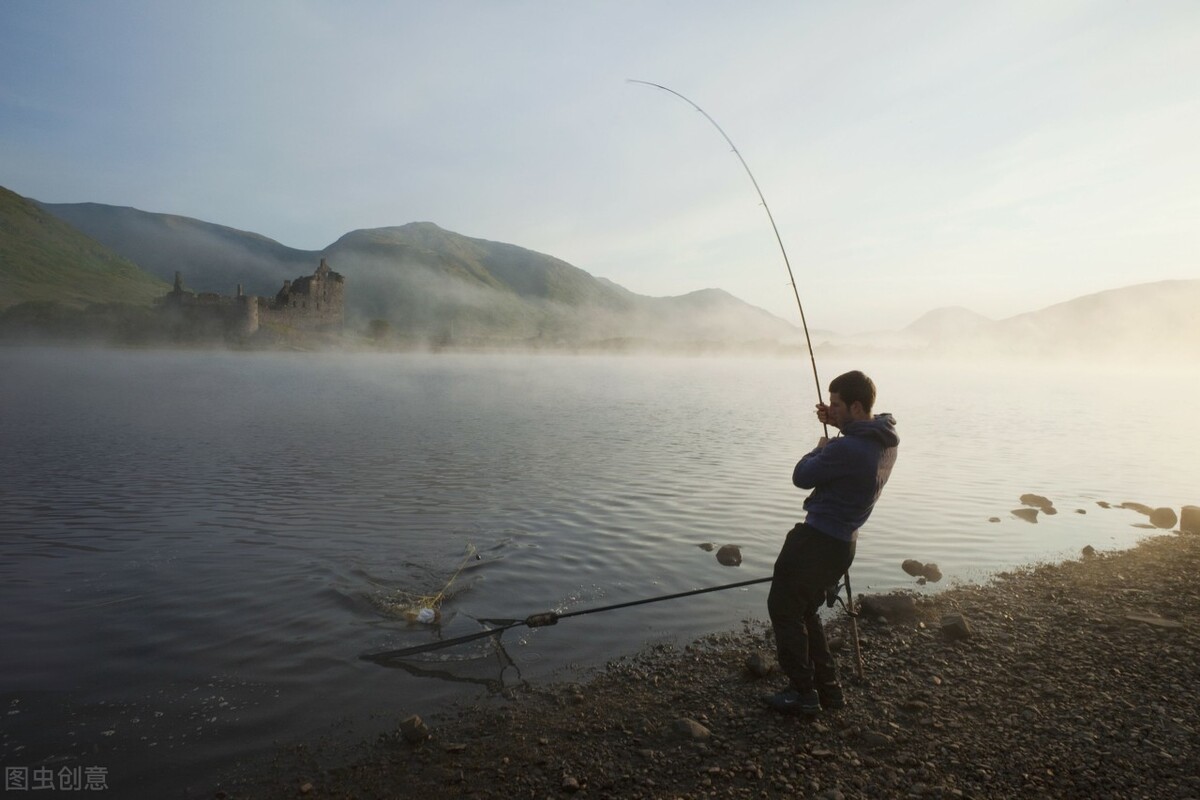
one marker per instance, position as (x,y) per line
(194,546)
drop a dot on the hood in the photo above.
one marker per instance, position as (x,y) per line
(881,428)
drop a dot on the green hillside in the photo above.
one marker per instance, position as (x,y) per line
(43,259)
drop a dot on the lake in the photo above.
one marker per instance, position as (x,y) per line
(195,547)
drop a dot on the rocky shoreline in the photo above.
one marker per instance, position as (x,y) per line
(1079,679)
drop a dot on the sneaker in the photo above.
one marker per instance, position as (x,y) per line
(791,701)
(831,695)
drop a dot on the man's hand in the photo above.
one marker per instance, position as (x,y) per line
(823,413)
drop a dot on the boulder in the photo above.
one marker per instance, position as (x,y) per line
(1089,552)
(759,665)
(955,627)
(931,573)
(690,729)
(891,607)
(1141,508)
(730,555)
(1027,514)
(912,567)
(1163,518)
(414,730)
(1189,519)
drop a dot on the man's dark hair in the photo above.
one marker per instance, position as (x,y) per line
(852,386)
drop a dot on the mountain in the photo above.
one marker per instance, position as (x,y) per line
(1157,321)
(43,259)
(428,283)
(211,258)
(948,323)
(424,279)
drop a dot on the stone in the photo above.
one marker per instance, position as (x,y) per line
(1027,514)
(893,607)
(690,729)
(1163,518)
(1141,508)
(570,783)
(730,555)
(1037,501)
(1189,519)
(414,730)
(931,573)
(912,567)
(1089,552)
(955,627)
(759,665)
(707,547)
(876,740)
(993,519)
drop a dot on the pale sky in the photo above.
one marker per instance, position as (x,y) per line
(998,156)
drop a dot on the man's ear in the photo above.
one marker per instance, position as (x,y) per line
(857,410)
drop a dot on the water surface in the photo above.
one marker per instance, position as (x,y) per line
(195,547)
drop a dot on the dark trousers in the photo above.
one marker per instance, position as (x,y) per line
(809,563)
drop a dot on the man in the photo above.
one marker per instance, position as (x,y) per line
(846,476)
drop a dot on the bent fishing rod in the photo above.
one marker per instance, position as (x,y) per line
(541,620)
(770,217)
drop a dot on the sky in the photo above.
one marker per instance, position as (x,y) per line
(1002,157)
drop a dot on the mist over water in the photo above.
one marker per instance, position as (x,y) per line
(195,547)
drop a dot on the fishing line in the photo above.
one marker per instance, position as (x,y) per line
(779,239)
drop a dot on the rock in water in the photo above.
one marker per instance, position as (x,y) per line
(931,573)
(730,555)
(1189,519)
(912,567)
(1027,514)
(1163,518)
(1141,508)
(1037,501)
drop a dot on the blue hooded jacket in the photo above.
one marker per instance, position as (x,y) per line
(847,475)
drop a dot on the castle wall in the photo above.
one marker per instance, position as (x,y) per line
(313,303)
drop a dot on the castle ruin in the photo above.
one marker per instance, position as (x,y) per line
(313,303)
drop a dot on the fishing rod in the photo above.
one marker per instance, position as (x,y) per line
(803,321)
(541,620)
(771,217)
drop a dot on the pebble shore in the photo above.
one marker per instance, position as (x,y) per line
(1078,679)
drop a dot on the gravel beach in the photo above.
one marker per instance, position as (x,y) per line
(1078,679)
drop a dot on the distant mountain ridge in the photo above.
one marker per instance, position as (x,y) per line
(430,284)
(1146,322)
(427,282)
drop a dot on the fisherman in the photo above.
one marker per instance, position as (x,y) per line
(846,475)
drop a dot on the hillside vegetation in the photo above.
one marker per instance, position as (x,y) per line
(45,260)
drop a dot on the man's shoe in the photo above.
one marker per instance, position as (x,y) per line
(791,701)
(831,695)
